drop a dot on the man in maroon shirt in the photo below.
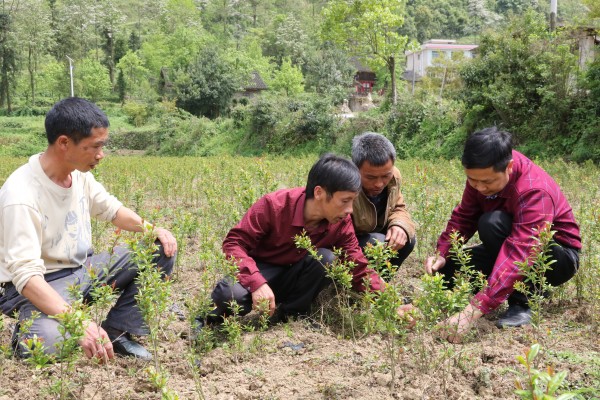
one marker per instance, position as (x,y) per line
(271,267)
(507,199)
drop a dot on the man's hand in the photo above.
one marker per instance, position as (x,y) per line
(167,240)
(407,312)
(262,293)
(95,343)
(434,264)
(456,327)
(396,237)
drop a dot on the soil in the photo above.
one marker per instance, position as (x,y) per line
(306,359)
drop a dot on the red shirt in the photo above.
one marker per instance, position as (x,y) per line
(266,233)
(532,198)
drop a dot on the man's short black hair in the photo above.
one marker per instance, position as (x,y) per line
(374,148)
(334,174)
(75,118)
(489,147)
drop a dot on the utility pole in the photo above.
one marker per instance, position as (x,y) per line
(553,12)
(71,74)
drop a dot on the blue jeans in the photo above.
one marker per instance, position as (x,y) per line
(113,269)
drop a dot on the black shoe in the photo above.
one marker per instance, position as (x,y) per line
(516,315)
(124,345)
(199,324)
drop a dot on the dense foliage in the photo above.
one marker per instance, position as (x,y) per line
(161,67)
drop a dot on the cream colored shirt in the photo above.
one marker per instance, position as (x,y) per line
(45,227)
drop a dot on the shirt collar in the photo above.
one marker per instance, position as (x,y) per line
(298,218)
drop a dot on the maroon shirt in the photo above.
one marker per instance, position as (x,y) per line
(532,198)
(266,233)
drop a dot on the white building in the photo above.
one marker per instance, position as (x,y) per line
(425,57)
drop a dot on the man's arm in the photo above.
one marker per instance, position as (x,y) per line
(401,227)
(129,220)
(347,241)
(242,238)
(463,219)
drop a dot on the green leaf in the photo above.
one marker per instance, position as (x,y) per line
(532,353)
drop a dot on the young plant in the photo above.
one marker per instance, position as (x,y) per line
(534,284)
(71,328)
(33,347)
(538,384)
(341,277)
(379,256)
(154,291)
(436,301)
(390,324)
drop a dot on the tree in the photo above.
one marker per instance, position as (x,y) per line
(92,80)
(132,74)
(329,71)
(207,84)
(71,25)
(109,20)
(368,29)
(54,80)
(35,36)
(290,40)
(522,80)
(288,79)
(429,19)
(8,58)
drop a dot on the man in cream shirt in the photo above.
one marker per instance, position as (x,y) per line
(46,207)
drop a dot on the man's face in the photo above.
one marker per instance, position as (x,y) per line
(336,207)
(86,154)
(487,181)
(375,178)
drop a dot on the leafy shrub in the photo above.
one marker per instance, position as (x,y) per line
(137,113)
(136,139)
(425,127)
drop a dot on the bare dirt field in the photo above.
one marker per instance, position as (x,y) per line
(308,360)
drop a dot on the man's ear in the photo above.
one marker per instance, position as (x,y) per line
(509,167)
(319,192)
(62,141)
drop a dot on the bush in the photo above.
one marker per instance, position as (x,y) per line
(137,113)
(138,139)
(425,127)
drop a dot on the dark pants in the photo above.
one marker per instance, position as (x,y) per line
(375,237)
(294,286)
(116,269)
(494,227)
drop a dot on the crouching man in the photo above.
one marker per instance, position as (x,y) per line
(45,238)
(271,268)
(507,200)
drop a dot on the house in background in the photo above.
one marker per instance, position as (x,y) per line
(418,61)
(364,78)
(253,86)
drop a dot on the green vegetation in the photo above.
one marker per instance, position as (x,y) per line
(170,74)
(200,199)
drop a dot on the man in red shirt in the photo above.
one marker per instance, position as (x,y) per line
(507,200)
(271,267)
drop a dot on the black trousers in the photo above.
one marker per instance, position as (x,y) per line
(375,237)
(294,286)
(494,227)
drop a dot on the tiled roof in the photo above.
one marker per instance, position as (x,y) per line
(255,82)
